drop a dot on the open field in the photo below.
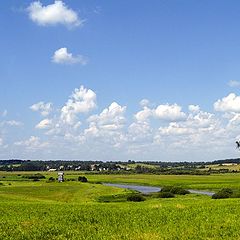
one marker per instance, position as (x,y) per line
(72,210)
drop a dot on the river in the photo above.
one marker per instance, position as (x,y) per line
(148,189)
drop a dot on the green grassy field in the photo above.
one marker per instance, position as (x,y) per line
(73,210)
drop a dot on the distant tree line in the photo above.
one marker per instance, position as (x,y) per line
(119,167)
(231,160)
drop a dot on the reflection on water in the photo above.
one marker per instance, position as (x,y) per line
(201,192)
(147,189)
(142,189)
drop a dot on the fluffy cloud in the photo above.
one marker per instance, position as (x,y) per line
(44,108)
(106,128)
(175,129)
(140,132)
(144,102)
(234,120)
(164,112)
(110,119)
(193,108)
(195,123)
(144,115)
(62,56)
(82,100)
(163,132)
(53,14)
(170,112)
(230,103)
(44,124)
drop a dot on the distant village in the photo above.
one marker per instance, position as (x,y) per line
(130,166)
(92,167)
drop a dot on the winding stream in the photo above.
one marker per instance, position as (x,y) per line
(148,189)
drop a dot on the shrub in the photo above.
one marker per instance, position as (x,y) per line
(223,193)
(175,190)
(82,179)
(227,190)
(136,198)
(35,176)
(166,195)
(179,191)
(166,188)
(51,179)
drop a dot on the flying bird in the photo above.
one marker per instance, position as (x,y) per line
(238,144)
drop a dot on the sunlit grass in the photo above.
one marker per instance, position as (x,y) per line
(72,210)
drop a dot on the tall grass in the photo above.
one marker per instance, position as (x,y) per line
(71,210)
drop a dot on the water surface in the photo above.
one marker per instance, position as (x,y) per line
(148,189)
(142,189)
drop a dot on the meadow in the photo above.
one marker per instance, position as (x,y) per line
(73,210)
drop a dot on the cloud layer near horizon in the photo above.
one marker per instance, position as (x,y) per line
(75,130)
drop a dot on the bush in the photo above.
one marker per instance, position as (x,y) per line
(223,193)
(35,176)
(175,190)
(179,191)
(166,195)
(136,198)
(51,179)
(166,188)
(82,179)
(227,190)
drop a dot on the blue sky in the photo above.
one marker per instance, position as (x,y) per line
(173,54)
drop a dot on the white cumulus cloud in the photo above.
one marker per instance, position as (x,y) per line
(106,128)
(44,108)
(82,100)
(144,102)
(111,118)
(144,115)
(53,14)
(62,56)
(44,124)
(164,131)
(230,103)
(169,112)
(194,108)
